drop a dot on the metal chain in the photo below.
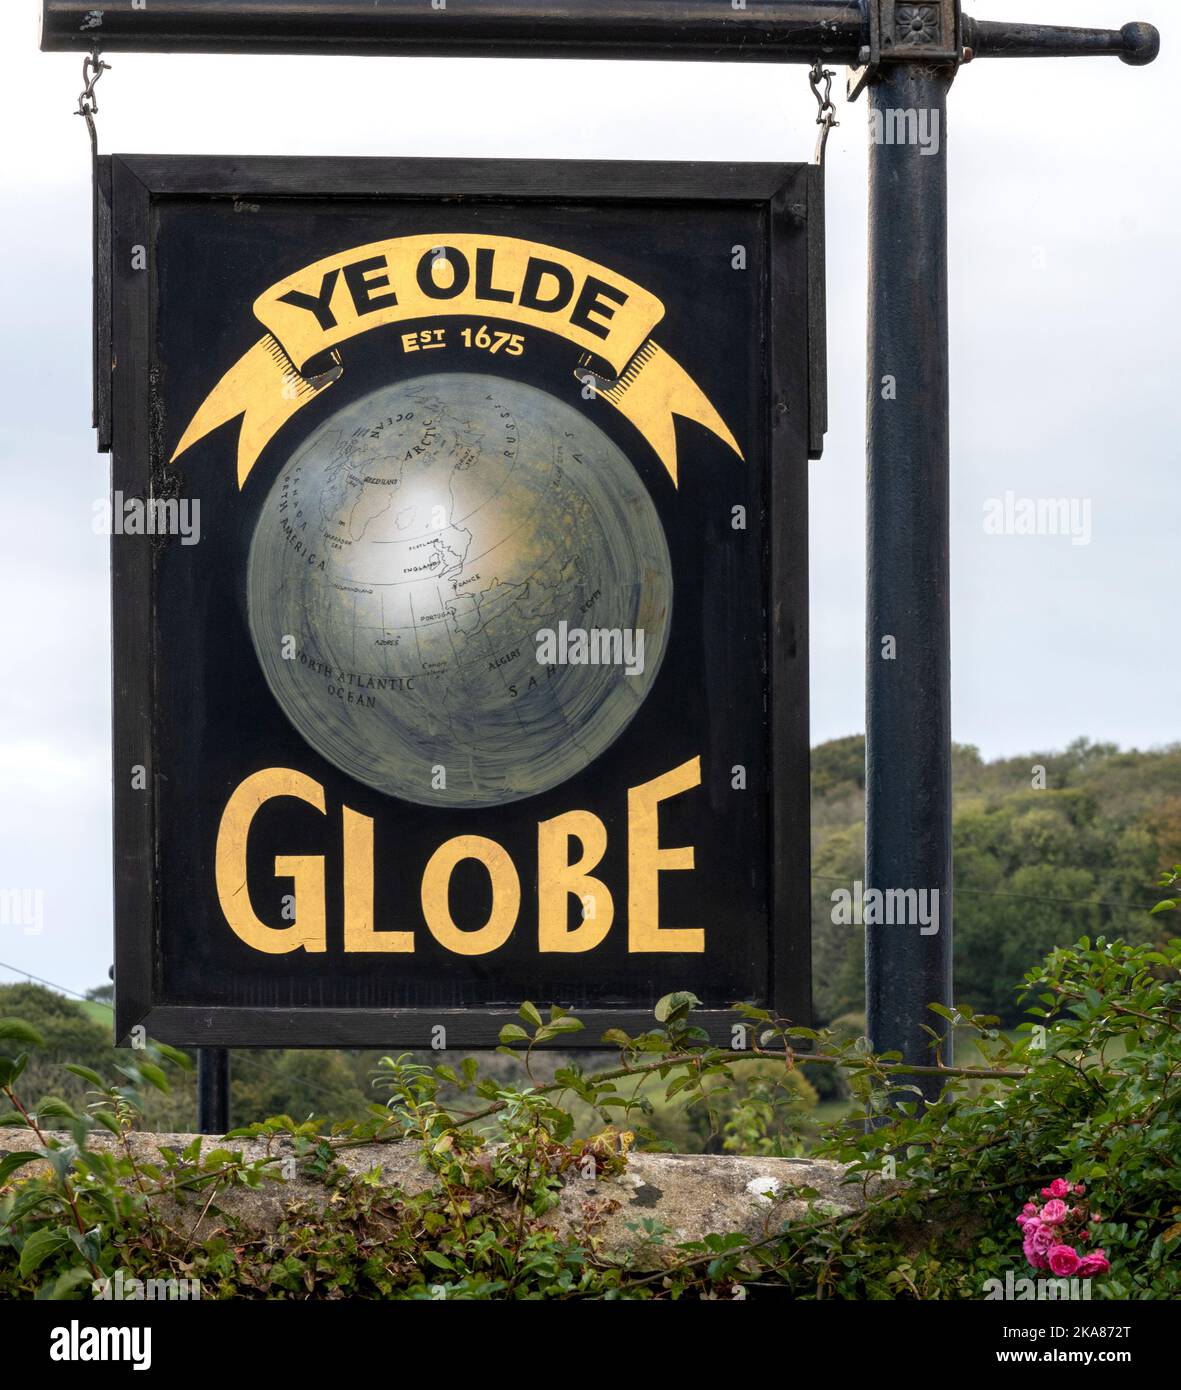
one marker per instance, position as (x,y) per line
(827,119)
(93,68)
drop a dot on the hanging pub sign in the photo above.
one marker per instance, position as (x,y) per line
(459,546)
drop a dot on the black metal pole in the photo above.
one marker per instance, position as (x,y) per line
(908,619)
(1136,44)
(764,31)
(213,1090)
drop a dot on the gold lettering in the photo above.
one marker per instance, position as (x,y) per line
(359,934)
(558,879)
(647,861)
(506,895)
(308,930)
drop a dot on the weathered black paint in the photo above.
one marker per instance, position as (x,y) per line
(213,1090)
(766,31)
(908,699)
(1135,44)
(173,625)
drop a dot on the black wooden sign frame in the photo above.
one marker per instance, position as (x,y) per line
(133,422)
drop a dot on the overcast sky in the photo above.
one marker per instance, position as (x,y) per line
(1064,292)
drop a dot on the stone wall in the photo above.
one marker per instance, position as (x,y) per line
(693,1195)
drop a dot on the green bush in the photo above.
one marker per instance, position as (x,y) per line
(1087,1090)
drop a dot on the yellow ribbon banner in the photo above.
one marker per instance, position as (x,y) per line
(445,274)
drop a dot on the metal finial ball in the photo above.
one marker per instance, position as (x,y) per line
(1141,44)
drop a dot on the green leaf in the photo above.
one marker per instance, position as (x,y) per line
(153,1074)
(102,1165)
(87,1074)
(174,1054)
(530,1014)
(563,1025)
(20,1031)
(675,1006)
(11,1162)
(54,1108)
(89,1244)
(40,1246)
(1169,905)
(11,1068)
(65,1284)
(513,1032)
(62,1160)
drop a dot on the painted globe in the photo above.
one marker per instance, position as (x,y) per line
(420,573)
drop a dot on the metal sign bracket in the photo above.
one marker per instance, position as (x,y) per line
(907,33)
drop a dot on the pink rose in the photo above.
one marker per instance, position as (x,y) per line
(1094,1263)
(1029,1209)
(1041,1238)
(1054,1211)
(1080,1188)
(1035,1257)
(1064,1260)
(1058,1188)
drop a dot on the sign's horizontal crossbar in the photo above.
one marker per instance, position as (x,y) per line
(786,31)
(1134,43)
(763,31)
